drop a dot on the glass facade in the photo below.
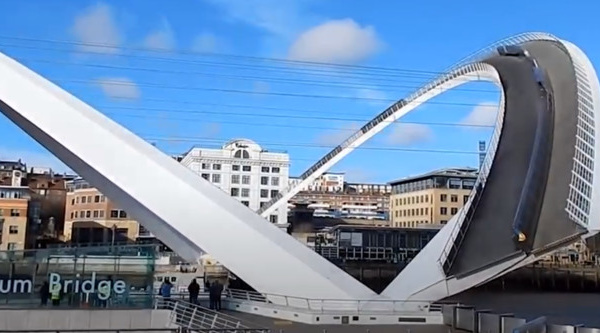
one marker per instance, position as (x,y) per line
(106,276)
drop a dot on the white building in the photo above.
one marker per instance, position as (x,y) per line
(244,170)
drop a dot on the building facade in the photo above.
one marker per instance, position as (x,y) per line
(431,198)
(90,217)
(245,170)
(331,196)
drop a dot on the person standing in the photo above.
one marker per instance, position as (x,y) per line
(218,293)
(211,294)
(45,293)
(194,290)
(165,292)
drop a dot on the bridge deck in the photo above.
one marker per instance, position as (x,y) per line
(489,237)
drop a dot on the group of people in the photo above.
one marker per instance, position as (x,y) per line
(215,293)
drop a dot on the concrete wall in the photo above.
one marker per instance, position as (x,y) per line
(82,319)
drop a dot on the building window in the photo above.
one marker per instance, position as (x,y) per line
(216,166)
(453,210)
(426,210)
(443,197)
(275,170)
(465,199)
(83,200)
(235,191)
(273,218)
(274,193)
(82,214)
(264,169)
(216,178)
(101,214)
(72,215)
(88,214)
(114,214)
(235,179)
(275,181)
(96,213)
(15,212)
(263,203)
(454,198)
(122,214)
(246,168)
(13,229)
(205,176)
(264,180)
(77,200)
(443,211)
(246,203)
(89,199)
(246,180)
(76,214)
(205,166)
(102,198)
(72,202)
(443,222)
(235,167)
(97,199)
(245,192)
(11,246)
(264,193)
(241,154)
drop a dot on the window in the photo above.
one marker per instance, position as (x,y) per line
(453,198)
(13,229)
(83,200)
(205,166)
(274,193)
(465,199)
(246,203)
(264,193)
(76,200)
(443,210)
(273,218)
(76,214)
(11,246)
(443,197)
(97,199)
(82,214)
(453,210)
(88,214)
(263,203)
(235,179)
(264,180)
(241,154)
(246,180)
(89,199)
(245,192)
(114,213)
(264,169)
(72,201)
(275,170)
(122,214)
(102,198)
(101,215)
(235,191)
(72,214)
(96,213)
(15,212)
(443,222)
(216,178)
(235,167)
(246,168)
(275,181)
(216,166)
(205,176)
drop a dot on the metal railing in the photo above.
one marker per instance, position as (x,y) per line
(334,305)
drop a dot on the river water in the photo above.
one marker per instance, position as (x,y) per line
(560,308)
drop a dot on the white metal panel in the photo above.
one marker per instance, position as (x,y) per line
(179,207)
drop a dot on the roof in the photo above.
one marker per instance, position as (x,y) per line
(465,172)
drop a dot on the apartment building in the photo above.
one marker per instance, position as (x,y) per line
(431,198)
(246,171)
(90,217)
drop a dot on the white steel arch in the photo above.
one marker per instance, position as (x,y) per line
(190,215)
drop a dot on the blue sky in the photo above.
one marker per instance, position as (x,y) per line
(168,75)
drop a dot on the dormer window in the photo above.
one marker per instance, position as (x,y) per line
(241,154)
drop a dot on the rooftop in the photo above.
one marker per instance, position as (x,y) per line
(465,172)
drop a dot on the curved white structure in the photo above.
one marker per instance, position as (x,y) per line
(191,216)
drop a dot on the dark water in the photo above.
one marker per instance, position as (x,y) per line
(560,307)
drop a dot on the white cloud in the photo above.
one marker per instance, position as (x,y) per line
(119,87)
(407,134)
(161,39)
(373,96)
(335,137)
(336,41)
(206,42)
(34,159)
(96,25)
(484,114)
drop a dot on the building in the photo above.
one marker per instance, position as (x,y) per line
(331,196)
(90,217)
(431,198)
(18,212)
(246,171)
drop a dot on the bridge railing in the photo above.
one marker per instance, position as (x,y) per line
(334,305)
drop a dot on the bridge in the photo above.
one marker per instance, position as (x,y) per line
(537,190)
